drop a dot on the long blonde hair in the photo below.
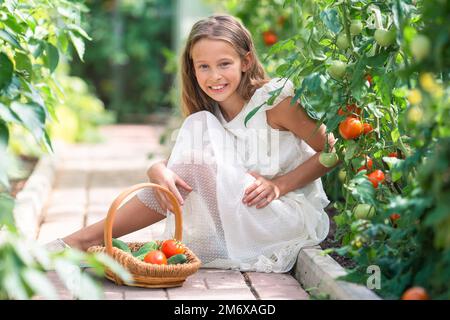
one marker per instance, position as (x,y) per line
(226,28)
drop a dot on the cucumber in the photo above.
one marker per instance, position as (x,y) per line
(176,259)
(121,245)
(146,248)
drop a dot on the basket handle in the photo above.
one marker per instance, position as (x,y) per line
(118,201)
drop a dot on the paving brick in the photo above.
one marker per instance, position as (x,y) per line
(223,279)
(145,294)
(261,279)
(282,293)
(216,294)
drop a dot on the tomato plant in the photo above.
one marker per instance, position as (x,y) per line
(390,59)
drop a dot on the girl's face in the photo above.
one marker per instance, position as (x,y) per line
(218,68)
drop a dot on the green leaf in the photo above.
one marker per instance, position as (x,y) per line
(51,57)
(395,134)
(79,30)
(358,79)
(385,87)
(362,189)
(48,142)
(6,70)
(375,110)
(39,283)
(281,46)
(313,83)
(252,113)
(351,150)
(115,267)
(6,210)
(283,68)
(14,285)
(78,43)
(23,65)
(4,136)
(6,36)
(330,18)
(32,116)
(78,283)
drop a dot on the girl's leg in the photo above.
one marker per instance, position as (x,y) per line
(132,216)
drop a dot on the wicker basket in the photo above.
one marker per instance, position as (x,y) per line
(145,274)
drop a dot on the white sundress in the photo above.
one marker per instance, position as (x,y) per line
(214,156)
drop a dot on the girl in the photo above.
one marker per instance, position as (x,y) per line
(251,191)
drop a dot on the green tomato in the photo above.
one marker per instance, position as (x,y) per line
(337,69)
(328,159)
(420,47)
(342,175)
(356,27)
(384,37)
(342,41)
(364,211)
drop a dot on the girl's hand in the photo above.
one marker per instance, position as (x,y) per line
(160,174)
(261,192)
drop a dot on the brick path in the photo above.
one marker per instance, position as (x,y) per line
(90,176)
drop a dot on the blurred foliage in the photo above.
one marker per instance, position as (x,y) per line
(125,59)
(35,36)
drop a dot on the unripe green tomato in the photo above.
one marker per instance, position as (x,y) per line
(356,27)
(342,175)
(337,69)
(420,47)
(342,41)
(384,37)
(364,211)
(328,159)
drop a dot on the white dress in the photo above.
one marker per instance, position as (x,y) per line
(214,156)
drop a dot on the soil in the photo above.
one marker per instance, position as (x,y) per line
(17,185)
(331,242)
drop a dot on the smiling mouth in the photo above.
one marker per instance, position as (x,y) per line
(218,88)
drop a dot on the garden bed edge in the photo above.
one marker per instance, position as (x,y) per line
(318,272)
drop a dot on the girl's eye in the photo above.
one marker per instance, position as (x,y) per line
(224,64)
(202,66)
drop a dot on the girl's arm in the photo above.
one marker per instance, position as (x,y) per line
(296,120)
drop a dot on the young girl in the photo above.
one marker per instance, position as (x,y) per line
(251,192)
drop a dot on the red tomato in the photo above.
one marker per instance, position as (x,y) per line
(156,257)
(369,164)
(172,247)
(367,128)
(376,177)
(350,128)
(352,111)
(394,217)
(415,293)
(393,154)
(369,79)
(270,37)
